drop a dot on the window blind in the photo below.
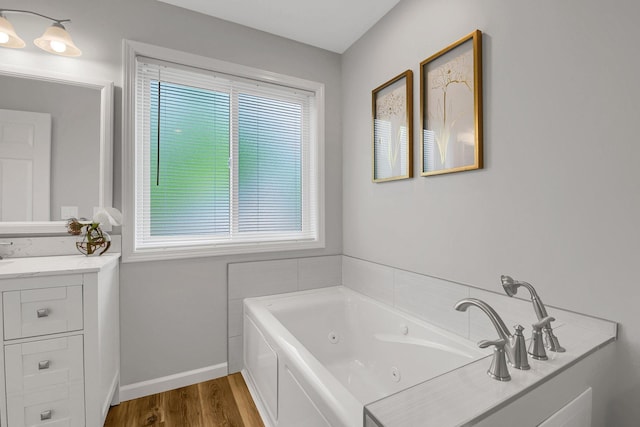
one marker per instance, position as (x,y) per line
(221,161)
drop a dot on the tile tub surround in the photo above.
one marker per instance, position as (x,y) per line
(425,297)
(432,299)
(461,391)
(467,396)
(261,278)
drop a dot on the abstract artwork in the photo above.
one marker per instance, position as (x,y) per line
(392,109)
(451,108)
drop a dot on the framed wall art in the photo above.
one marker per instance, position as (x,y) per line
(392,146)
(451,108)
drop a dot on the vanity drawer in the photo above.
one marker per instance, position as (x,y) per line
(45,363)
(44,311)
(53,407)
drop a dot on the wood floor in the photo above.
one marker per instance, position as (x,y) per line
(224,402)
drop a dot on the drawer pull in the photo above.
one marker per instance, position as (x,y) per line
(46,415)
(43,312)
(43,365)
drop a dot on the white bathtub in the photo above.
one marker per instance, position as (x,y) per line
(315,358)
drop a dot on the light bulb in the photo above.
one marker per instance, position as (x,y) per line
(58,46)
(4,37)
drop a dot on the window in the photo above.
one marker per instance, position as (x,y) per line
(223,163)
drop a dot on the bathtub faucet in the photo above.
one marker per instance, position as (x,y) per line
(513,345)
(511,288)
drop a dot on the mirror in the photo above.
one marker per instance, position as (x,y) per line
(55,149)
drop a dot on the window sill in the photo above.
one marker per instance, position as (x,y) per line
(171,253)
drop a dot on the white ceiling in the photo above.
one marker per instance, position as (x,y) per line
(329,24)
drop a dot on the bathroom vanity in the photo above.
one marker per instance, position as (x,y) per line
(60,325)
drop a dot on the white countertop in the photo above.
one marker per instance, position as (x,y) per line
(11,268)
(467,395)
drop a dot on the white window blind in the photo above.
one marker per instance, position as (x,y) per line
(221,160)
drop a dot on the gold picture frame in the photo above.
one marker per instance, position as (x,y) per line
(451,108)
(392,129)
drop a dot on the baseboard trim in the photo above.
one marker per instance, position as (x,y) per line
(170,382)
(112,397)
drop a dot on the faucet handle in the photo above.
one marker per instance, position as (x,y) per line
(519,349)
(536,346)
(551,341)
(498,369)
(543,323)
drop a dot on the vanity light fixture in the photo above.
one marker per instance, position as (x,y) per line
(8,36)
(55,39)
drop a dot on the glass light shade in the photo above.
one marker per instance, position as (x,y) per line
(56,40)
(8,36)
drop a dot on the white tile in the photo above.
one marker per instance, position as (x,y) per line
(462,396)
(518,311)
(432,299)
(606,327)
(253,279)
(368,278)
(319,272)
(235,317)
(235,363)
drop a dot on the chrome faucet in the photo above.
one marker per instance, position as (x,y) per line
(5,244)
(536,346)
(513,345)
(498,369)
(511,288)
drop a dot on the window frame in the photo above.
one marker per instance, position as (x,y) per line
(134,49)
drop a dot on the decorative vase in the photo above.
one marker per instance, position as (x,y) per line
(93,240)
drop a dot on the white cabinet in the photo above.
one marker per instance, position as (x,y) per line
(576,413)
(44,363)
(60,329)
(34,312)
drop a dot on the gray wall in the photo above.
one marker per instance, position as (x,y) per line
(557,203)
(174,314)
(75,137)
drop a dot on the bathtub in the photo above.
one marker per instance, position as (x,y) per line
(316,358)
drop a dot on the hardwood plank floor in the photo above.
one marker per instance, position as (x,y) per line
(243,399)
(223,402)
